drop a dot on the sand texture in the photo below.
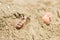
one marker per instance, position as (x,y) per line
(34,28)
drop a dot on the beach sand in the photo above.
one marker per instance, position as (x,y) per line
(33,29)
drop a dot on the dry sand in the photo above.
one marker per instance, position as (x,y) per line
(35,28)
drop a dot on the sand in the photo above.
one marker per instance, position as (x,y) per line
(33,29)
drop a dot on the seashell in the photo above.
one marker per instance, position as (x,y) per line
(47,18)
(21,23)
